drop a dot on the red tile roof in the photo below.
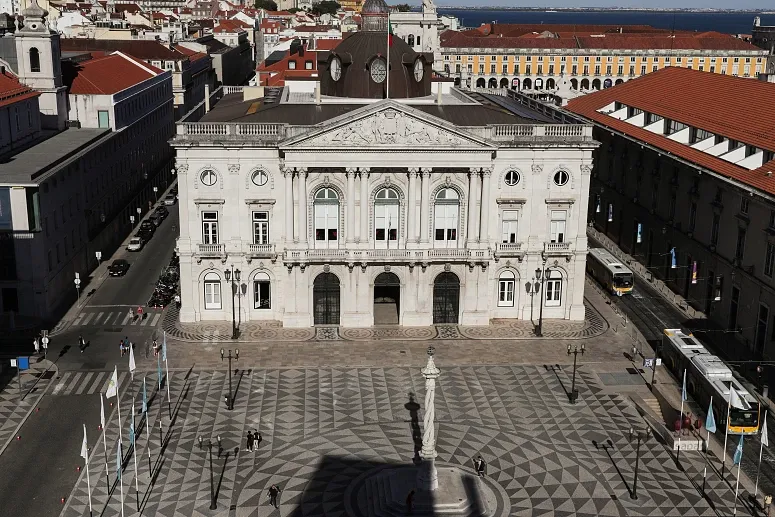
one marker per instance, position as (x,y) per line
(737,108)
(313,28)
(108,75)
(141,49)
(589,37)
(231,26)
(326,44)
(12,91)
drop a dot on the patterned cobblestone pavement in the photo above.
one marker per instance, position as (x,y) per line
(324,427)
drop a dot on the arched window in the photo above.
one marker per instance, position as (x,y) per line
(506,285)
(261,291)
(480,83)
(492,83)
(385,217)
(326,218)
(34,60)
(212,291)
(554,289)
(410,40)
(445,218)
(539,84)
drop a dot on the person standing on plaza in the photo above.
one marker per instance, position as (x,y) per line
(36,344)
(274,491)
(177,301)
(257,438)
(249,442)
(481,466)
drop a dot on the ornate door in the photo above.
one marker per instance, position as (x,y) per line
(446,298)
(325,299)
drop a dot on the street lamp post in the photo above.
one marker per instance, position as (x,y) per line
(132,220)
(575,351)
(230,398)
(532,288)
(213,506)
(233,276)
(155,194)
(541,274)
(644,436)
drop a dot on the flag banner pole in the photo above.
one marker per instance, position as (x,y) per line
(104,442)
(726,434)
(681,419)
(167,367)
(119,468)
(134,454)
(148,442)
(86,458)
(737,487)
(710,425)
(764,441)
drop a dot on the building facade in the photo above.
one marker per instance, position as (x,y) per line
(339,206)
(684,183)
(582,58)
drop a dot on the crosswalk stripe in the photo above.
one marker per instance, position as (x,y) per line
(98,318)
(61,384)
(126,319)
(74,381)
(96,385)
(84,383)
(155,319)
(78,319)
(87,318)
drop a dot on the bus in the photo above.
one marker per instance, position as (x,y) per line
(707,375)
(609,271)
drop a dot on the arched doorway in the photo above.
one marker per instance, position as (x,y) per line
(527,83)
(446,298)
(596,84)
(457,81)
(539,84)
(550,84)
(480,83)
(515,84)
(504,83)
(574,84)
(325,299)
(492,83)
(607,83)
(619,81)
(585,84)
(387,299)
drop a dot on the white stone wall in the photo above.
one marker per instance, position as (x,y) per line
(356,179)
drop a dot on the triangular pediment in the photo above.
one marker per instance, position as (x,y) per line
(387,124)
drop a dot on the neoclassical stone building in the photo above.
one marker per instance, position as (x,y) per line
(341,206)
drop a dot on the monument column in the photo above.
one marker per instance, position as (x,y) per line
(484,234)
(427,476)
(364,204)
(302,193)
(350,219)
(411,208)
(472,233)
(288,174)
(425,204)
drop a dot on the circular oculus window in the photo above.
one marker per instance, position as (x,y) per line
(561,178)
(209,178)
(511,178)
(259,178)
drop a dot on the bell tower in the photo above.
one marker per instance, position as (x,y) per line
(40,65)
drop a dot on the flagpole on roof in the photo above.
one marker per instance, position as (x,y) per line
(764,441)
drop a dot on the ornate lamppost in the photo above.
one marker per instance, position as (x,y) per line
(233,276)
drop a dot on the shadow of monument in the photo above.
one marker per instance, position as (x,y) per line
(344,484)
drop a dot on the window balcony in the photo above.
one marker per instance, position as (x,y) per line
(385,256)
(557,248)
(261,251)
(510,249)
(212,250)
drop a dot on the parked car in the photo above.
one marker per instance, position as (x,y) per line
(119,267)
(156,219)
(162,212)
(170,199)
(147,225)
(146,235)
(136,243)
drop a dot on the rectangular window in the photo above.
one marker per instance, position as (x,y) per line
(574,69)
(553,292)
(261,294)
(714,229)
(733,303)
(608,70)
(506,292)
(586,69)
(260,227)
(740,247)
(505,69)
(103,119)
(761,327)
(509,233)
(481,68)
(516,69)
(551,69)
(769,260)
(597,69)
(632,70)
(209,227)
(654,68)
(212,294)
(643,70)
(492,69)
(291,65)
(557,226)
(471,69)
(527,69)
(308,65)
(743,205)
(692,216)
(671,207)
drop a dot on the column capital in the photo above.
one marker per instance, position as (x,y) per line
(350,171)
(364,170)
(413,170)
(300,170)
(475,170)
(487,171)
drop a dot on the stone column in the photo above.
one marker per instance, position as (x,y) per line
(294,207)
(364,205)
(472,232)
(289,231)
(425,204)
(411,208)
(484,234)
(427,477)
(349,231)
(477,201)
(301,184)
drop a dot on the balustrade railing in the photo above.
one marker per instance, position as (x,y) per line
(398,255)
(212,249)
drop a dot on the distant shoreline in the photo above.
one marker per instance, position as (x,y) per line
(605,9)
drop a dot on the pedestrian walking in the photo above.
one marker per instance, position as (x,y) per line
(274,491)
(177,301)
(81,343)
(481,467)
(409,502)
(249,442)
(122,347)
(256,439)
(36,344)
(155,348)
(131,314)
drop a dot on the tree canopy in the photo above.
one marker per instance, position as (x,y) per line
(402,8)
(269,5)
(325,7)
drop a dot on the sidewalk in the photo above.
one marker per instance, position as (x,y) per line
(15,406)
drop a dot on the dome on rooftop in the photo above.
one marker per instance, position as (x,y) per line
(375,7)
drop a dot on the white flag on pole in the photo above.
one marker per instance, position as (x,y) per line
(765,439)
(102,411)
(132,365)
(735,401)
(84,447)
(112,385)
